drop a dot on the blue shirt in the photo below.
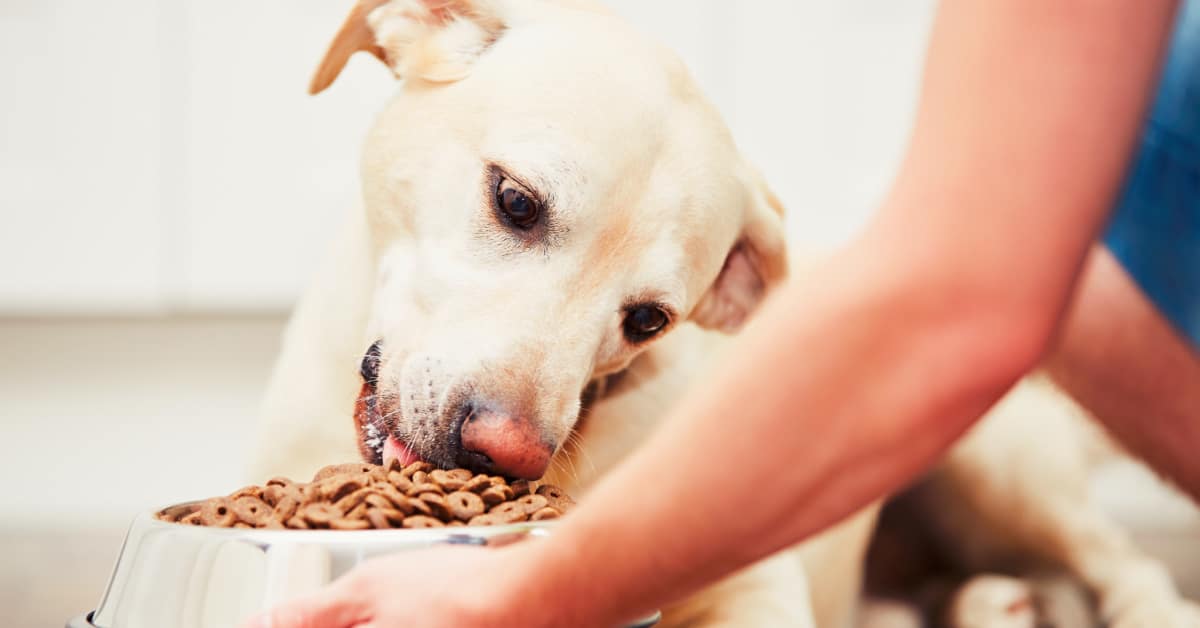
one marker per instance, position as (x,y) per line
(1155,228)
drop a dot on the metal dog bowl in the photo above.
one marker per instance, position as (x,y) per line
(170,574)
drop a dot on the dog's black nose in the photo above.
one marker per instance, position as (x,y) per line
(370,364)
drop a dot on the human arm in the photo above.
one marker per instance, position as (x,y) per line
(1125,363)
(849,383)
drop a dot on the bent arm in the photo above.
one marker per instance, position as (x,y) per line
(849,384)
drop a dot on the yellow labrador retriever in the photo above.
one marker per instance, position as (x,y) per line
(548,203)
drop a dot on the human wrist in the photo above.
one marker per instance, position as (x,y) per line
(553,589)
(540,575)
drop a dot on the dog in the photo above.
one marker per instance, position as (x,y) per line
(557,234)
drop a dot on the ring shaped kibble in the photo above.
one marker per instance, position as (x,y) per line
(286,508)
(362,496)
(320,514)
(545,513)
(532,503)
(421,521)
(464,505)
(252,510)
(218,511)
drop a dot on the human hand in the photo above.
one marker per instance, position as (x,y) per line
(446,587)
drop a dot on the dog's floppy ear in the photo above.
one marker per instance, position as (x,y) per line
(757,261)
(434,40)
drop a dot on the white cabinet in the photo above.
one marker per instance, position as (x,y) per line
(162,155)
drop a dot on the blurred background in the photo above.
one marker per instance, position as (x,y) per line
(166,188)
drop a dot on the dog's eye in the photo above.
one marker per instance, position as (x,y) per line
(519,207)
(644,321)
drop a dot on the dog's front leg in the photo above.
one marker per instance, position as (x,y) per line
(307,413)
(1023,471)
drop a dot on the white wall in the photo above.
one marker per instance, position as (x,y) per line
(161,156)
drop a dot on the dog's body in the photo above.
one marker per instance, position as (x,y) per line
(521,242)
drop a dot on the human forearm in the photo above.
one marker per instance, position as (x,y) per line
(913,331)
(1124,362)
(839,403)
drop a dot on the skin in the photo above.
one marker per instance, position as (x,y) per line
(902,350)
(1122,360)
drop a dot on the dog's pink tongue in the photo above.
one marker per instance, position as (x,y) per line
(393,449)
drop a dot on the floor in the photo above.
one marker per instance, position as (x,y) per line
(106,418)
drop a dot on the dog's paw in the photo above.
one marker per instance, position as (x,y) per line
(991,601)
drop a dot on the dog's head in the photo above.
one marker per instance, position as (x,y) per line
(547,196)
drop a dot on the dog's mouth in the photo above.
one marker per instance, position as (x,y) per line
(378,442)
(382,438)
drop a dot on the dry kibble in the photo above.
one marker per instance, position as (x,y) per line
(286,508)
(335,470)
(375,500)
(217,511)
(510,512)
(493,495)
(532,503)
(378,519)
(415,467)
(377,475)
(337,487)
(420,507)
(247,491)
(351,501)
(437,505)
(402,503)
(421,521)
(423,487)
(362,496)
(251,511)
(520,488)
(545,513)
(320,513)
(477,484)
(464,505)
(446,480)
(557,497)
(275,493)
(398,480)
(349,524)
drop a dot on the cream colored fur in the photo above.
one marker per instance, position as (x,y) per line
(654,201)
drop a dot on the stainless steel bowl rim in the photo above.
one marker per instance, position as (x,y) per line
(177,574)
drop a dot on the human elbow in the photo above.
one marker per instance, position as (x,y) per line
(998,343)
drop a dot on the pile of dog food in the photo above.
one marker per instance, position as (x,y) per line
(363,496)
